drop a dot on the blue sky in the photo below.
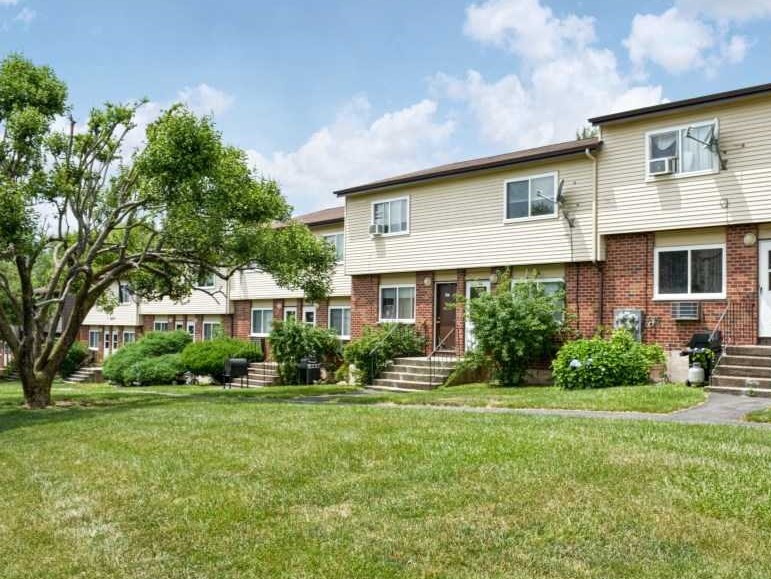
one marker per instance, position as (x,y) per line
(331,94)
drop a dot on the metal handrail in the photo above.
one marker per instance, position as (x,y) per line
(377,346)
(720,321)
(432,356)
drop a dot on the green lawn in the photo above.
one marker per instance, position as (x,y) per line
(649,398)
(760,416)
(123,484)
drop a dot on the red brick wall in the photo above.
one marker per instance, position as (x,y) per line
(424,307)
(583,287)
(364,303)
(460,315)
(242,319)
(322,314)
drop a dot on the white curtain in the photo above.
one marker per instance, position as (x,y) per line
(696,156)
(664,145)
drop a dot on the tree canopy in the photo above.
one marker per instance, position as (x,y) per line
(80,212)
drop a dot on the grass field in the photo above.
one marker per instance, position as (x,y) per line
(760,416)
(654,398)
(123,484)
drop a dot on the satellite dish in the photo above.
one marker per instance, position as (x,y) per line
(710,141)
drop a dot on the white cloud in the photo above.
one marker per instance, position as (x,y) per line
(204,99)
(26,15)
(727,10)
(356,149)
(8,2)
(564,77)
(527,28)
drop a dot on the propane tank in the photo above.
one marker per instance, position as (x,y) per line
(696,374)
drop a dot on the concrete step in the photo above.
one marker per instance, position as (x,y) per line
(742,371)
(415,361)
(407,384)
(420,369)
(762,351)
(398,373)
(738,391)
(740,382)
(733,360)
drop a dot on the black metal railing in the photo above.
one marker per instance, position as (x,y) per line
(738,324)
(438,358)
(374,370)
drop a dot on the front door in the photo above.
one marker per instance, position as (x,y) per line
(764,299)
(444,336)
(474,289)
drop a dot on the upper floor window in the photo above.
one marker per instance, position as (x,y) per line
(397,303)
(683,150)
(392,216)
(694,272)
(124,294)
(531,197)
(336,240)
(206,280)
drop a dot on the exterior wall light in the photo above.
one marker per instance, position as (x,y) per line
(427,281)
(750,239)
(493,278)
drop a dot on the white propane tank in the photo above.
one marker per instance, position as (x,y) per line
(696,374)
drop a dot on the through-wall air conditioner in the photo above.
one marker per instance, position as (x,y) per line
(663,166)
(376,229)
(685,311)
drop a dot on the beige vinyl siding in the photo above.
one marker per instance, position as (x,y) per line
(683,237)
(764,231)
(629,203)
(459,223)
(544,270)
(197,303)
(122,314)
(253,284)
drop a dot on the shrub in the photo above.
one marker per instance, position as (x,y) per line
(378,345)
(164,369)
(76,355)
(514,326)
(601,363)
(116,367)
(208,358)
(291,341)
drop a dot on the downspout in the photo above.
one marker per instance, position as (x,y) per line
(595,237)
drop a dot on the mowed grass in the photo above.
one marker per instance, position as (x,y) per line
(128,485)
(760,416)
(662,398)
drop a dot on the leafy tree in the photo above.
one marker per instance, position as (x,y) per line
(587,132)
(291,341)
(79,214)
(513,326)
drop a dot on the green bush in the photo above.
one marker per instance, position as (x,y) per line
(378,345)
(513,326)
(291,341)
(602,363)
(165,369)
(208,358)
(76,355)
(155,344)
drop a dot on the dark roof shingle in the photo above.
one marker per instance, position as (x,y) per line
(322,217)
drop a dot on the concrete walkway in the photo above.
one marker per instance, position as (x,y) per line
(717,409)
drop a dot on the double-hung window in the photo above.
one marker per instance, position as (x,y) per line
(206,280)
(392,215)
(691,272)
(161,326)
(124,294)
(554,287)
(211,330)
(309,315)
(688,149)
(531,197)
(93,339)
(336,240)
(129,336)
(397,303)
(262,320)
(340,321)
(191,329)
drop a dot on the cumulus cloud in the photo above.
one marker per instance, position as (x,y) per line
(564,76)
(356,148)
(25,15)
(727,10)
(205,100)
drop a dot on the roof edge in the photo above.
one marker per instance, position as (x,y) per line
(387,183)
(683,103)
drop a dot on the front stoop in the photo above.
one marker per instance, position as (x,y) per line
(743,370)
(261,374)
(83,375)
(415,374)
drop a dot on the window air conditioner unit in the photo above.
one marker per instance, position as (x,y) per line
(376,229)
(663,166)
(685,311)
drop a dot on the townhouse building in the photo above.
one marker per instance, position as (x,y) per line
(662,223)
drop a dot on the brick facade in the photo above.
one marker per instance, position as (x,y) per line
(364,303)
(424,307)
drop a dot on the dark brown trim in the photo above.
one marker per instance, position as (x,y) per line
(542,153)
(325,222)
(674,105)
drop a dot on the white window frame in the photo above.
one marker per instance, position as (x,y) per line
(530,178)
(329,320)
(336,235)
(190,326)
(211,325)
(98,334)
(310,309)
(121,288)
(158,326)
(688,296)
(208,286)
(251,322)
(546,280)
(131,333)
(288,309)
(679,174)
(390,200)
(397,320)
(178,326)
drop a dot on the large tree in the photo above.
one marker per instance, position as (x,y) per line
(80,213)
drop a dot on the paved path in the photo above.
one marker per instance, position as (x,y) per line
(718,409)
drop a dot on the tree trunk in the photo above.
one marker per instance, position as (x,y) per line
(37,388)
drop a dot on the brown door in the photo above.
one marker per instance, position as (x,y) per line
(445,317)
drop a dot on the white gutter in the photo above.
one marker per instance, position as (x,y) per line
(595,209)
